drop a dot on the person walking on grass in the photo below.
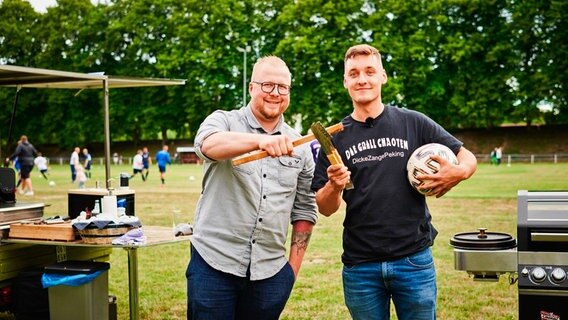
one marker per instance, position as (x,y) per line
(146,161)
(73,162)
(80,176)
(138,165)
(25,152)
(388,233)
(498,155)
(163,159)
(88,162)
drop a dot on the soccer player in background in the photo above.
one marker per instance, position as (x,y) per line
(162,159)
(41,163)
(146,161)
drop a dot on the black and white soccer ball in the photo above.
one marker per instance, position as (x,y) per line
(420,163)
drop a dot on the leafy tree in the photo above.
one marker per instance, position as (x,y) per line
(463,63)
(316,35)
(69,42)
(18,45)
(439,55)
(477,61)
(540,43)
(19,24)
(205,52)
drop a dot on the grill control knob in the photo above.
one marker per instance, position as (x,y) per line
(525,272)
(538,274)
(558,275)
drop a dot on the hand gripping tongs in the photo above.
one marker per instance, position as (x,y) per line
(260,154)
(328,148)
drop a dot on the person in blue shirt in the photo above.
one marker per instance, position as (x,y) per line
(17,167)
(163,158)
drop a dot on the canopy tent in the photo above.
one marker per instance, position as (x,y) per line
(25,77)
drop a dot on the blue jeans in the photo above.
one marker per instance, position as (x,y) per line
(73,173)
(213,295)
(410,282)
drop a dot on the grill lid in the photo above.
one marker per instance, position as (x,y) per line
(483,240)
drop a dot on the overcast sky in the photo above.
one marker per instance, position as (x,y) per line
(41,5)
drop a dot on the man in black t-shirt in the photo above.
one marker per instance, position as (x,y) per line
(387,229)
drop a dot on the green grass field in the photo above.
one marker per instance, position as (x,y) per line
(487,200)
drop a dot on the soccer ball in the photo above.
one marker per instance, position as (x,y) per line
(420,162)
(52,183)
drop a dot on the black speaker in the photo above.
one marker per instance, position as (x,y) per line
(7,185)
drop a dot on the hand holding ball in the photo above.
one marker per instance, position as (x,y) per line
(420,163)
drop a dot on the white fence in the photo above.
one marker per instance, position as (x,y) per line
(527,158)
(96,161)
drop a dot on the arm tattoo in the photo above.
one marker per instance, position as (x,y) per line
(301,240)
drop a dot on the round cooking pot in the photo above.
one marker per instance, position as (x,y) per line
(483,240)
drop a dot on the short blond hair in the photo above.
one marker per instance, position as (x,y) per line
(270,61)
(363,50)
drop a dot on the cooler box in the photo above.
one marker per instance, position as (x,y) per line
(88,301)
(79,199)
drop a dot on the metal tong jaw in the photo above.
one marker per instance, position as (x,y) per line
(328,147)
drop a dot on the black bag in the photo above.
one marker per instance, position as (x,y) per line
(31,300)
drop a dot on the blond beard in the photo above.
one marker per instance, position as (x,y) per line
(270,114)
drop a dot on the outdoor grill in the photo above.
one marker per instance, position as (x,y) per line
(538,261)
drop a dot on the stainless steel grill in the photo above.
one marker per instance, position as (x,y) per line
(539,262)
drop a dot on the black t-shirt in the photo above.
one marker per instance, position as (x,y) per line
(386,218)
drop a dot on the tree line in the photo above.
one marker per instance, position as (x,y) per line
(465,63)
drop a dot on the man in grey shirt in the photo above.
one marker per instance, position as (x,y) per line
(238,268)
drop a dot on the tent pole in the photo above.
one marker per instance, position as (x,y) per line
(107,132)
(11,125)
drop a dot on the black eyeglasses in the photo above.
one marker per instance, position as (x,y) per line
(268,87)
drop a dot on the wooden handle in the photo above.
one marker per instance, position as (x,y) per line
(259,154)
(335,158)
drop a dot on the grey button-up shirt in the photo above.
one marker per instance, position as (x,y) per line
(244,211)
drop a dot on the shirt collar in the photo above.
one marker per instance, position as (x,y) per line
(253,122)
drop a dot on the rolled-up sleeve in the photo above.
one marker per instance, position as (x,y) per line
(215,122)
